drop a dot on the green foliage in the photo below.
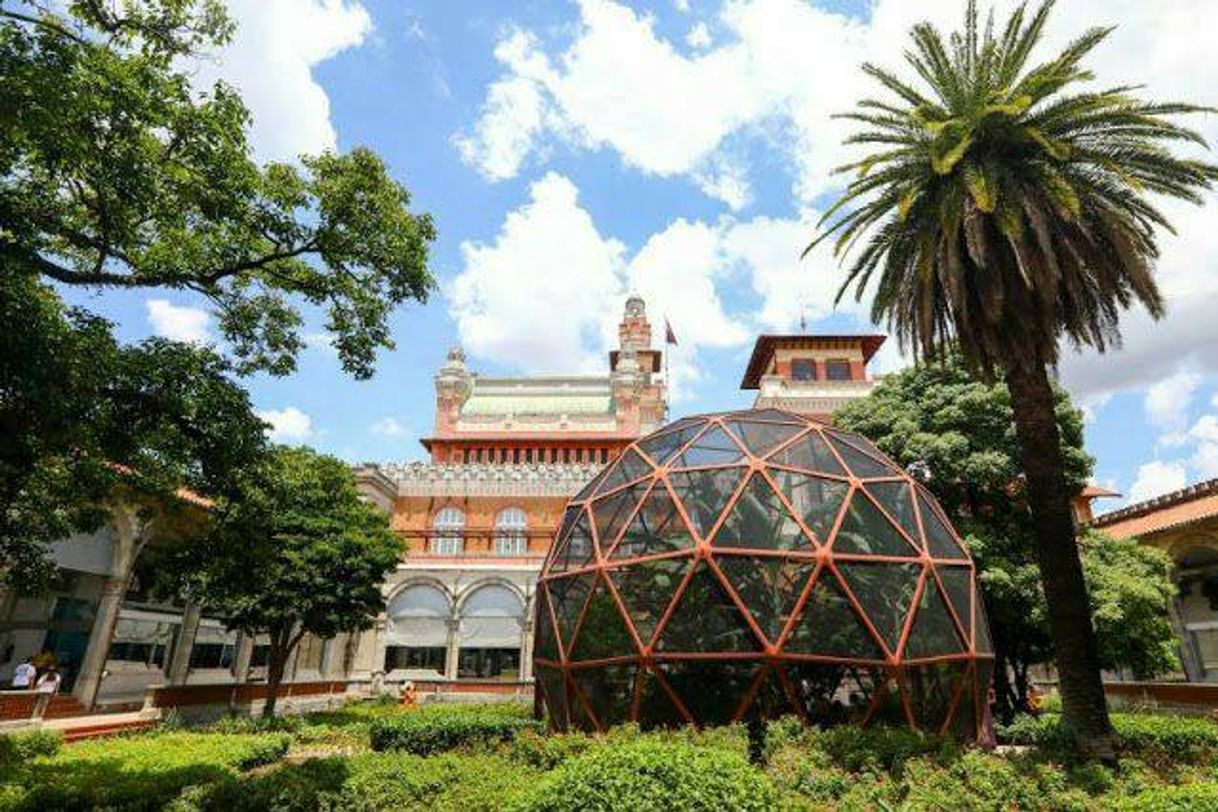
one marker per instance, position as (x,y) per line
(295,552)
(960,430)
(438,728)
(649,773)
(137,772)
(1152,738)
(115,172)
(24,745)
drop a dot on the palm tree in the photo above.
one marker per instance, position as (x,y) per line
(1004,208)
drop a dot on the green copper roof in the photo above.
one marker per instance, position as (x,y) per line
(537,404)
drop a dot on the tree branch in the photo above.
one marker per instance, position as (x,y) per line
(42,22)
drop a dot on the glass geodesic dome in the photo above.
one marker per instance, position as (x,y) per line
(759,563)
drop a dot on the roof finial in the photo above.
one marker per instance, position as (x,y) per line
(803,318)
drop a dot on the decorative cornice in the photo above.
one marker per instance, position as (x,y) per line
(482,479)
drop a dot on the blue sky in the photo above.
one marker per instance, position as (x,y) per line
(574,152)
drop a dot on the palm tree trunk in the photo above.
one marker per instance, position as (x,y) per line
(1061,571)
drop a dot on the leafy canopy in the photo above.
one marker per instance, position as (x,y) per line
(295,551)
(1000,203)
(116,173)
(941,420)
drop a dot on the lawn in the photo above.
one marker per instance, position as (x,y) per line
(375,756)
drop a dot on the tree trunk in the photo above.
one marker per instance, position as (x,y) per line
(1004,705)
(1057,557)
(274,676)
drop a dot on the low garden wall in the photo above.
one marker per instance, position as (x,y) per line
(1177,697)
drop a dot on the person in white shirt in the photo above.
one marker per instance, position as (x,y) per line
(47,687)
(23,675)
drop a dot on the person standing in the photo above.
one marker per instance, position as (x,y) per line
(23,675)
(47,687)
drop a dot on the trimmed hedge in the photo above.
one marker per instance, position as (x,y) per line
(1158,739)
(26,744)
(650,773)
(437,728)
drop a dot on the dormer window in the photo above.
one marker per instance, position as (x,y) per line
(803,369)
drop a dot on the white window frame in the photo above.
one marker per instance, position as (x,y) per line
(511,532)
(448,531)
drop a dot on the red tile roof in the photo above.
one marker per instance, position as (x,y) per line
(1171,510)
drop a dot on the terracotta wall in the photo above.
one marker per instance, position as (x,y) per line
(412,518)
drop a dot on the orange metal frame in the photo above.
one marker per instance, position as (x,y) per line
(890,673)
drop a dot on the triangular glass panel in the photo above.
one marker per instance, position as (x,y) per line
(897,499)
(981,630)
(933,632)
(810,454)
(630,466)
(661,447)
(770,587)
(866,531)
(656,708)
(609,690)
(889,707)
(714,447)
(860,463)
(712,692)
(569,517)
(656,528)
(759,521)
(771,415)
(554,694)
(611,512)
(958,583)
(770,700)
(546,644)
(580,718)
(939,540)
(568,595)
(830,626)
(761,438)
(964,717)
(832,694)
(603,632)
(589,489)
(931,689)
(705,619)
(646,589)
(577,549)
(817,501)
(885,592)
(704,494)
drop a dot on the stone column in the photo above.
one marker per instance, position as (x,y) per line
(1194,671)
(333,665)
(378,653)
(179,664)
(526,650)
(242,657)
(88,682)
(453,658)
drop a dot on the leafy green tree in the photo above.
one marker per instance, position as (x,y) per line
(295,551)
(80,413)
(1003,206)
(115,173)
(958,433)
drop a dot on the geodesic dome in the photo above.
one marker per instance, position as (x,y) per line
(759,563)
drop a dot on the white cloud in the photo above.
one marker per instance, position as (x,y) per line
(289,425)
(1157,478)
(699,36)
(178,323)
(1168,400)
(271,61)
(391,427)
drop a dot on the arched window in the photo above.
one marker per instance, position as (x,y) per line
(417,634)
(492,620)
(448,532)
(510,532)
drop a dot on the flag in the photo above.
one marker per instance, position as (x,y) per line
(669,336)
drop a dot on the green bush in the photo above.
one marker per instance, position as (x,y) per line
(26,744)
(650,773)
(1159,739)
(437,728)
(1188,798)
(137,772)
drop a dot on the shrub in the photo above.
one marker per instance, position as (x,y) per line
(1187,798)
(650,773)
(137,772)
(1158,739)
(437,728)
(879,748)
(26,744)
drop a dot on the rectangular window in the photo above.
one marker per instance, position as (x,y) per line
(415,658)
(511,544)
(837,370)
(129,652)
(803,369)
(489,663)
(260,656)
(447,545)
(211,655)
